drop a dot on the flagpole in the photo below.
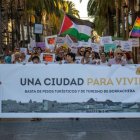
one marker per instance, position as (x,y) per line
(62,23)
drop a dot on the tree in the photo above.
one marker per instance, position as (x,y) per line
(53,9)
(103,11)
(69,7)
(118,17)
(51,6)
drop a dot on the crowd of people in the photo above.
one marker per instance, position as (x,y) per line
(63,55)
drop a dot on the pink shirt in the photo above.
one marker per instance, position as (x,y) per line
(113,61)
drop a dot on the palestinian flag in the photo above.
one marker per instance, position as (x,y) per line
(74,27)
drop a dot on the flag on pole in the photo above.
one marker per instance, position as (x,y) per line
(135,32)
(80,29)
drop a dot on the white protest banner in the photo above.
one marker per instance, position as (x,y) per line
(72,90)
(126,46)
(135,42)
(106,40)
(50,42)
(95,47)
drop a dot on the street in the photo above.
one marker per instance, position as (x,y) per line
(70,129)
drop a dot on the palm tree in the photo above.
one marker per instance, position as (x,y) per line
(64,7)
(69,7)
(103,10)
(51,6)
(11,14)
(118,17)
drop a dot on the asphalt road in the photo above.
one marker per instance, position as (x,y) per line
(70,129)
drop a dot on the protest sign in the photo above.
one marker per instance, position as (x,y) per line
(117,42)
(41,45)
(84,44)
(38,28)
(109,47)
(48,57)
(74,49)
(69,40)
(106,40)
(126,46)
(135,42)
(23,50)
(60,40)
(95,47)
(50,42)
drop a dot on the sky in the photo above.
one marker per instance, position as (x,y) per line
(81,7)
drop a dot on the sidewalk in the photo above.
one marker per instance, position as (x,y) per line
(70,129)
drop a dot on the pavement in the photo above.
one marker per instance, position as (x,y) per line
(70,129)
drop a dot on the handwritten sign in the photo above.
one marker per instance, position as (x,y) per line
(109,47)
(106,40)
(135,42)
(126,46)
(84,44)
(117,42)
(60,40)
(95,47)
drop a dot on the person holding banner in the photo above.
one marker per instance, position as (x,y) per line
(93,57)
(35,52)
(35,60)
(86,58)
(17,58)
(70,58)
(118,58)
(103,59)
(127,56)
(81,51)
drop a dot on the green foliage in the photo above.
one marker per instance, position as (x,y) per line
(71,10)
(100,24)
(51,6)
(102,10)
